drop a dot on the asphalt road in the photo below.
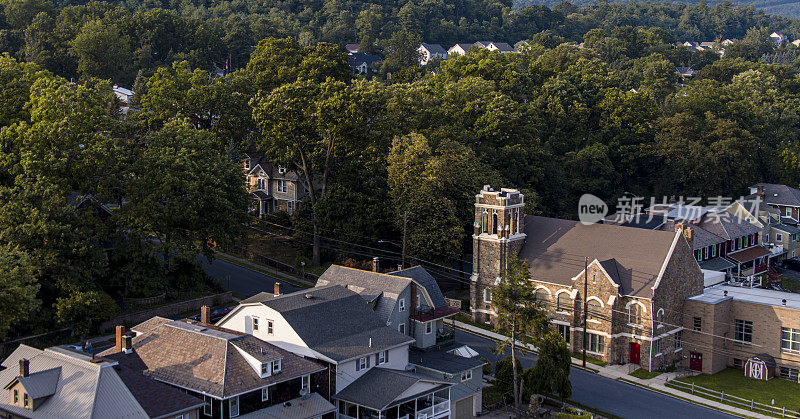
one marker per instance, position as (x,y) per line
(612,396)
(243,281)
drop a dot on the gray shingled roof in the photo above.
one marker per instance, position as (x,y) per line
(434,48)
(379,388)
(716,264)
(777,194)
(555,249)
(426,280)
(312,406)
(368,284)
(443,361)
(335,321)
(786,228)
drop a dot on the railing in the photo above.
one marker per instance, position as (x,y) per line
(445,337)
(748,281)
(720,396)
(435,410)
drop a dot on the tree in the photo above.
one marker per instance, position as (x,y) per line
(18,287)
(185,193)
(550,374)
(518,314)
(102,51)
(402,55)
(84,310)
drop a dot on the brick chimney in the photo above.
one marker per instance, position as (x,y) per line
(24,367)
(687,233)
(119,336)
(376,261)
(127,344)
(205,314)
(277,289)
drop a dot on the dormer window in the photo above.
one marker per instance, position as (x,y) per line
(247,164)
(281,169)
(265,370)
(25,399)
(276,366)
(16,396)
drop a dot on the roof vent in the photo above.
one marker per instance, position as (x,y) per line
(309,297)
(287,404)
(370,342)
(726,293)
(784,301)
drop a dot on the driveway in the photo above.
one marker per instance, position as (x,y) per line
(612,396)
(243,281)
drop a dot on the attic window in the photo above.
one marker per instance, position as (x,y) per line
(402,304)
(265,369)
(25,399)
(281,169)
(276,366)
(247,164)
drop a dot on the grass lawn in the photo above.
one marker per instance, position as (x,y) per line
(644,374)
(732,381)
(589,359)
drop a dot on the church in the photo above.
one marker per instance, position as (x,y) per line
(637,280)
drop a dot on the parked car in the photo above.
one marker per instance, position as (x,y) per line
(792,264)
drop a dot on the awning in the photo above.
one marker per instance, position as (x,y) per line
(747,255)
(260,195)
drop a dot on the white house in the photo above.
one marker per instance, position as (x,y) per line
(430,51)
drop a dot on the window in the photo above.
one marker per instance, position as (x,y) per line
(180,417)
(596,343)
(541,295)
(255,324)
(276,366)
(428,328)
(778,237)
(265,394)
(494,224)
(738,364)
(657,346)
(401,303)
(265,369)
(261,184)
(564,302)
(305,383)
(383,357)
(208,406)
(16,396)
(593,308)
(678,336)
(563,330)
(25,399)
(750,240)
(281,169)
(634,314)
(790,374)
(281,186)
(788,212)
(487,295)
(714,251)
(269,327)
(401,328)
(361,364)
(790,340)
(698,324)
(466,376)
(743,331)
(247,164)
(705,253)
(233,405)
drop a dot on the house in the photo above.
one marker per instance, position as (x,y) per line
(459,49)
(272,188)
(781,239)
(124,95)
(408,300)
(233,373)
(728,325)
(636,279)
(351,48)
(783,198)
(59,382)
(363,63)
(430,51)
(501,47)
(370,374)
(458,363)
(685,72)
(778,38)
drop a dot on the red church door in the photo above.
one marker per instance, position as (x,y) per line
(695,361)
(635,356)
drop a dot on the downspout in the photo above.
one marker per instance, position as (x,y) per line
(652,336)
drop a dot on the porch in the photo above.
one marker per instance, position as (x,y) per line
(430,406)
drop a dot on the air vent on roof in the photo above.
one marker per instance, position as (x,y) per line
(309,296)
(287,404)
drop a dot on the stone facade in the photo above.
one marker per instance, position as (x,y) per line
(614,334)
(498,235)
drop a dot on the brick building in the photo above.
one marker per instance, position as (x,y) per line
(727,325)
(638,279)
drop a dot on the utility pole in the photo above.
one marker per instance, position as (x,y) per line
(585,290)
(405,222)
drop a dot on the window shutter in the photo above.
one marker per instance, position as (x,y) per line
(367,362)
(377,360)
(358,365)
(387,356)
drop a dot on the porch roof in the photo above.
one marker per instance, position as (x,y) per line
(380,388)
(749,254)
(312,406)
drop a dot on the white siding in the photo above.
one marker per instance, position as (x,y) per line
(346,373)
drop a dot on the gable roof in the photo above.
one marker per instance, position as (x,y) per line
(207,359)
(555,249)
(86,388)
(434,48)
(501,46)
(777,194)
(380,388)
(426,280)
(333,320)
(444,360)
(358,58)
(383,289)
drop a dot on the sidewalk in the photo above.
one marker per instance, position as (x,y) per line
(620,372)
(266,270)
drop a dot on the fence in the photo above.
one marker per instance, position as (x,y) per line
(720,396)
(145,301)
(269,262)
(167,310)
